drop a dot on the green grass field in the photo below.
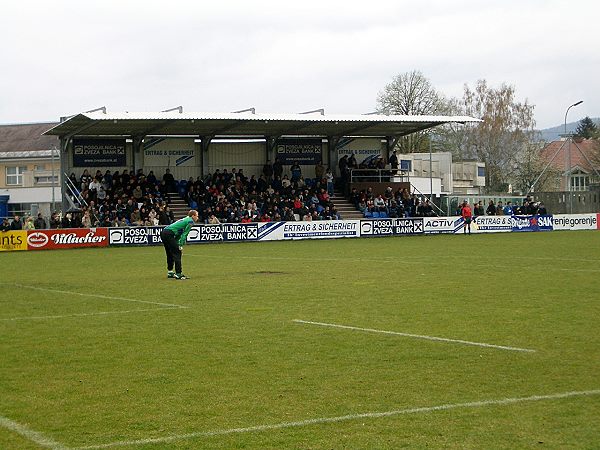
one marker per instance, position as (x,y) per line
(98,349)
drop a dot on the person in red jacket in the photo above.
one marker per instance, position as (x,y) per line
(467,216)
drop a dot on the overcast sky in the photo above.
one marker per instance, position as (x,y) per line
(63,57)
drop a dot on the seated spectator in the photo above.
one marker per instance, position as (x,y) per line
(67,221)
(5,225)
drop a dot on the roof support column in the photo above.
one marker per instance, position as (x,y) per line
(137,162)
(332,156)
(270,144)
(391,145)
(204,161)
(65,167)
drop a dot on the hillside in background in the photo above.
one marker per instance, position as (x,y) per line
(553,134)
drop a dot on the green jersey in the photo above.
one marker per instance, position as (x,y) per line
(181,228)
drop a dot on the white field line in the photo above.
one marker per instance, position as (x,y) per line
(107,297)
(31,435)
(418,336)
(101,313)
(322,420)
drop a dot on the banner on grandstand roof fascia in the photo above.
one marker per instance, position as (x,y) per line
(297,150)
(491,224)
(11,241)
(169,152)
(575,221)
(532,223)
(435,225)
(391,227)
(136,236)
(99,152)
(321,229)
(223,232)
(67,238)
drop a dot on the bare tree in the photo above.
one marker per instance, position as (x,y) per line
(529,168)
(507,128)
(410,93)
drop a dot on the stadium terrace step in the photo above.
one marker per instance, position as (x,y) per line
(345,208)
(178,205)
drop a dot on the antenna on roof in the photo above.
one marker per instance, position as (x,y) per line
(102,108)
(178,108)
(252,110)
(320,110)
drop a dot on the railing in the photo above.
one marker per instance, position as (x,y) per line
(440,212)
(378,175)
(73,194)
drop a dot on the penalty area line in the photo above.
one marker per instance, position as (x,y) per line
(30,434)
(417,336)
(325,420)
(107,297)
(99,313)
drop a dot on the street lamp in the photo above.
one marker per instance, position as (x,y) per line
(570,178)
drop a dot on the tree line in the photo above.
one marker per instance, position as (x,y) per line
(506,139)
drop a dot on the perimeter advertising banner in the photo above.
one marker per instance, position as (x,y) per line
(67,238)
(223,232)
(99,152)
(13,241)
(391,227)
(532,223)
(576,221)
(435,225)
(491,224)
(135,236)
(303,151)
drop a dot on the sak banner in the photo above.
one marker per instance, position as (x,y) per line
(67,238)
(532,223)
(13,241)
(99,152)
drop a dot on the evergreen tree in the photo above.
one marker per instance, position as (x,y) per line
(586,129)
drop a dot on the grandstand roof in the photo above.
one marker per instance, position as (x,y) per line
(245,124)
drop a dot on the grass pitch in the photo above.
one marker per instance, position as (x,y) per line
(98,349)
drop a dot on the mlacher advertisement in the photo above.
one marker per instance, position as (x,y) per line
(67,238)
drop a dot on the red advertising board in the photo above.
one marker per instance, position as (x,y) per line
(67,238)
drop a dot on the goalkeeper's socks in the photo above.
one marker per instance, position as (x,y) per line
(170,274)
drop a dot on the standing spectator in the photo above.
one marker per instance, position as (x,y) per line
(16,224)
(85,180)
(467,216)
(86,220)
(491,209)
(319,171)
(479,208)
(268,170)
(329,178)
(296,171)
(277,168)
(39,223)
(508,209)
(394,162)
(29,224)
(499,209)
(5,225)
(66,221)
(169,180)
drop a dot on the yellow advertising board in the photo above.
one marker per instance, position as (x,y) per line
(13,240)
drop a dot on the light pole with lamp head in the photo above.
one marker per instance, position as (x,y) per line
(570,178)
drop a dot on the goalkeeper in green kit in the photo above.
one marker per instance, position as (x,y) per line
(173,237)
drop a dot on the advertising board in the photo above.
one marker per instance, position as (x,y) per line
(135,236)
(575,221)
(67,238)
(99,152)
(491,224)
(223,232)
(302,151)
(391,227)
(434,225)
(532,223)
(13,240)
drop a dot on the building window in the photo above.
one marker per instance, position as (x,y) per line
(580,182)
(14,175)
(405,165)
(480,171)
(46,180)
